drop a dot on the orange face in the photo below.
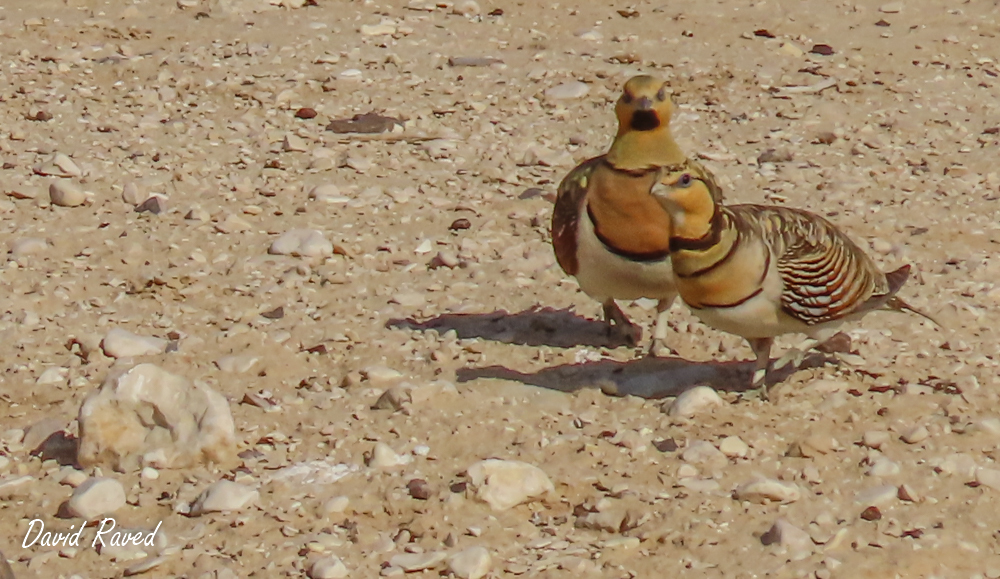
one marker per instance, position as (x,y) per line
(644,105)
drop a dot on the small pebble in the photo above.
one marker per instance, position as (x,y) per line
(766,491)
(95,498)
(224,496)
(471,563)
(697,400)
(328,568)
(66,194)
(568,90)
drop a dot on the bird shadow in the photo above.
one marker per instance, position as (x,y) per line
(537,326)
(649,377)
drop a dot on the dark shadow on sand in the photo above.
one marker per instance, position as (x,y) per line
(532,327)
(648,377)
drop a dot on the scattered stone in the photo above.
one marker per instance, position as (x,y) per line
(236,363)
(306,113)
(384,456)
(36,434)
(883,467)
(916,434)
(989,477)
(876,496)
(223,496)
(27,246)
(60,165)
(471,563)
(328,568)
(458,61)
(381,376)
(701,452)
(336,504)
(327,193)
(303,243)
(871,514)
(364,123)
(568,90)
(233,223)
(734,447)
(14,485)
(384,28)
(766,490)
(119,343)
(504,484)
(908,493)
(154,204)
(822,49)
(891,8)
(412,562)
(466,8)
(785,534)
(294,144)
(775,156)
(66,194)
(193,423)
(697,400)
(875,438)
(54,375)
(419,489)
(812,446)
(95,498)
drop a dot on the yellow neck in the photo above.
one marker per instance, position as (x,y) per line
(639,150)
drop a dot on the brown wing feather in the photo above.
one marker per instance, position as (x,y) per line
(570,198)
(826,276)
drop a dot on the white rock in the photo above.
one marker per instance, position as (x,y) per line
(734,447)
(471,563)
(119,343)
(27,246)
(916,434)
(989,477)
(883,466)
(222,496)
(294,143)
(957,463)
(411,562)
(302,242)
(766,491)
(891,8)
(704,453)
(381,376)
(66,194)
(409,299)
(337,504)
(236,363)
(329,568)
(96,497)
(380,29)
(875,438)
(131,194)
(697,400)
(504,484)
(787,535)
(193,423)
(385,457)
(568,90)
(54,375)
(990,425)
(60,165)
(876,496)
(466,8)
(327,193)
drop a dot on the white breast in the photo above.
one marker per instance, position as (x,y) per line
(604,275)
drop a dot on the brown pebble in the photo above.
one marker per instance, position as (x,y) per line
(419,489)
(871,514)
(40,116)
(458,224)
(666,445)
(275,314)
(154,205)
(882,23)
(839,343)
(763,33)
(826,138)
(822,49)
(496,12)
(305,113)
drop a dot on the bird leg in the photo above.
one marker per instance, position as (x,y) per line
(658,346)
(630,332)
(762,349)
(796,355)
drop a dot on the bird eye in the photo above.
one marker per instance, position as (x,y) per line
(626,98)
(685,180)
(661,95)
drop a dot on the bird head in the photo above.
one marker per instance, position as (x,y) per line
(644,105)
(688,198)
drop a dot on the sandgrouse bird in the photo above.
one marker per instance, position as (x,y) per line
(760,271)
(607,230)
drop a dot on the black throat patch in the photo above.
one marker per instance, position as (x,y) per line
(645,121)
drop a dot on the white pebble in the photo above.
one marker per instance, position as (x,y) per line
(302,242)
(119,343)
(695,401)
(504,484)
(222,496)
(329,568)
(66,194)
(767,490)
(471,563)
(734,447)
(568,90)
(96,497)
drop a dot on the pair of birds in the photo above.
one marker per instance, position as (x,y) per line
(644,221)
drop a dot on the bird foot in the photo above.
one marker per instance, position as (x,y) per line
(629,333)
(795,356)
(659,349)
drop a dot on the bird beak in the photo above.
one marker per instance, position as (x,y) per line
(644,104)
(661,193)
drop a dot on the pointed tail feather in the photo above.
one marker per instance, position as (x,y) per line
(897,278)
(897,304)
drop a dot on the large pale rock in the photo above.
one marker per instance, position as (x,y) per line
(507,483)
(472,563)
(119,343)
(148,416)
(302,242)
(96,497)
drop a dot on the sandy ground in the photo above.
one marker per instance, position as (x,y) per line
(893,136)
